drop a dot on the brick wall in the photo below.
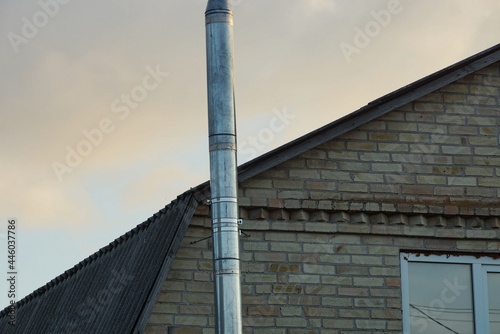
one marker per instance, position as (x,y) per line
(326,228)
(305,278)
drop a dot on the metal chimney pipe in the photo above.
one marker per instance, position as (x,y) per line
(223,173)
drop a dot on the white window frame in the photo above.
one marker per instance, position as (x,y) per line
(480,267)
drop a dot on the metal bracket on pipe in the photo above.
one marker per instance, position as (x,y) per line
(240,222)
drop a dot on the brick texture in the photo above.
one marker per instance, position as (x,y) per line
(310,282)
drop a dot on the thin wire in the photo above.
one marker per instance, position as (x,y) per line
(437,322)
(454,320)
(454,309)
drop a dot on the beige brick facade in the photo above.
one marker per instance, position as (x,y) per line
(326,228)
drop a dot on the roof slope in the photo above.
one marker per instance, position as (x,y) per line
(113,290)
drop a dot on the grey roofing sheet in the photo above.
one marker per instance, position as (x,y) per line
(113,290)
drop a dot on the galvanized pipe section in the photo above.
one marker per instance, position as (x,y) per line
(223,173)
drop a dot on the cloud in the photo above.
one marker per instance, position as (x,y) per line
(28,194)
(166,181)
(320,5)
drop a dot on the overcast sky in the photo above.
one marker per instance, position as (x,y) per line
(103,103)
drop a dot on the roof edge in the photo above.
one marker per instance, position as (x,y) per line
(369,112)
(162,274)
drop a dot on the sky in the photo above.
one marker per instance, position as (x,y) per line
(103,113)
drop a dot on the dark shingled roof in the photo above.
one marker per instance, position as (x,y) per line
(113,290)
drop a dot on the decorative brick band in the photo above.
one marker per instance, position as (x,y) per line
(363,222)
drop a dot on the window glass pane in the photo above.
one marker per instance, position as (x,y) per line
(440,298)
(494,301)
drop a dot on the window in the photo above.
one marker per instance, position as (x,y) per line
(444,294)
